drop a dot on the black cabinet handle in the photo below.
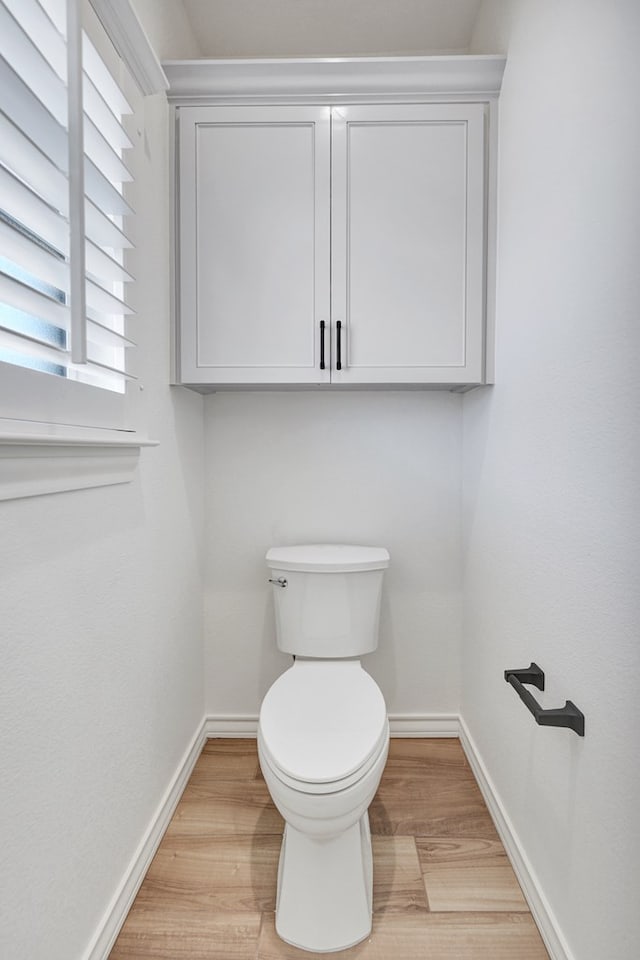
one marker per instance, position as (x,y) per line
(339,345)
(567,716)
(322,326)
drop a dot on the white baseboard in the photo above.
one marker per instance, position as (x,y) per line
(232,725)
(116,912)
(423,724)
(401,724)
(542,914)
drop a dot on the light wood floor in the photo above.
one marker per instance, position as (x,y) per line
(443,887)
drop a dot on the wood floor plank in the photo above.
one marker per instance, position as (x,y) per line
(222,874)
(226,759)
(468,875)
(171,933)
(397,878)
(224,808)
(413,756)
(481,936)
(433,804)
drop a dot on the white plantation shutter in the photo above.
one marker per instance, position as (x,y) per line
(106,145)
(65,165)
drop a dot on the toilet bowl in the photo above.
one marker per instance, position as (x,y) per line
(323,739)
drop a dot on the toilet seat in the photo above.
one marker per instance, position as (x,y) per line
(322,789)
(323,725)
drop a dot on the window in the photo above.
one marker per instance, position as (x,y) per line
(66,160)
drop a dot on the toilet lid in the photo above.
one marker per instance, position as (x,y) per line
(321,721)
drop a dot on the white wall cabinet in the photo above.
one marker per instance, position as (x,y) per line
(254,244)
(330,245)
(408,243)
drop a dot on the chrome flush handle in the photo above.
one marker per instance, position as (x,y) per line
(280,582)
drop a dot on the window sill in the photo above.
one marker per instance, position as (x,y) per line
(36,463)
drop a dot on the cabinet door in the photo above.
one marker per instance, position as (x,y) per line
(254,200)
(408,243)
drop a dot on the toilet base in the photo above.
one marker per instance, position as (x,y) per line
(325,889)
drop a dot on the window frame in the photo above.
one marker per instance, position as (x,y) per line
(55,433)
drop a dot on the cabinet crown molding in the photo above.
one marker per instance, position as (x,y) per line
(127,34)
(333,80)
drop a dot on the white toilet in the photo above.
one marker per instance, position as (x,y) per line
(323,738)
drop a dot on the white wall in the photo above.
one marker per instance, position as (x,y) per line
(101,632)
(168,28)
(374,468)
(330,28)
(551,465)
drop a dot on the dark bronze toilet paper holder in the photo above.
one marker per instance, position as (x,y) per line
(567,716)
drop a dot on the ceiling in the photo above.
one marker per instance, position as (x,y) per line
(331,28)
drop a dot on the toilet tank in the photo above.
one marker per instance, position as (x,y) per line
(327,598)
